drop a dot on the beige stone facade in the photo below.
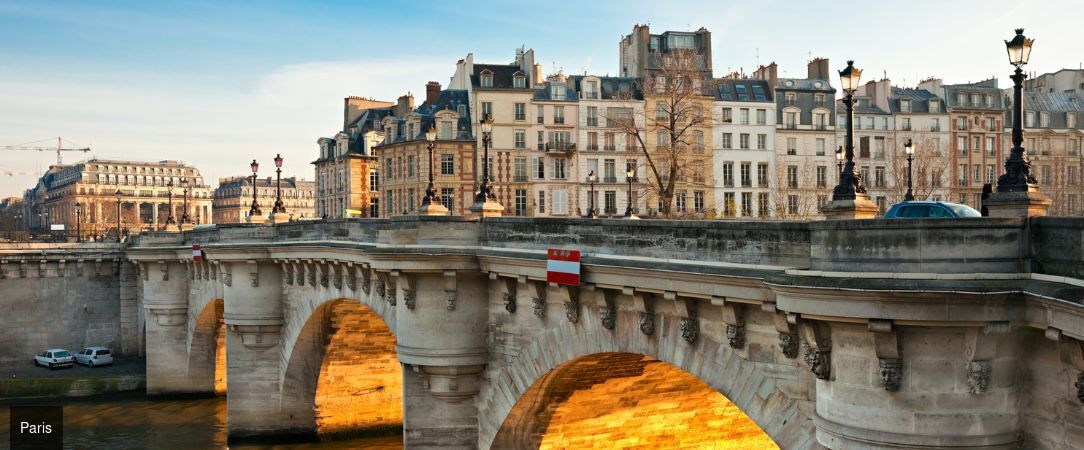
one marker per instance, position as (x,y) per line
(144,196)
(347,179)
(233,198)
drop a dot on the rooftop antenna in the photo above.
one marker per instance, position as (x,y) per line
(758,56)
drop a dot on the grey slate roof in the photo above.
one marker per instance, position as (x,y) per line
(803,84)
(986,87)
(449,99)
(543,93)
(502,76)
(920,100)
(1058,105)
(609,86)
(743,90)
(805,98)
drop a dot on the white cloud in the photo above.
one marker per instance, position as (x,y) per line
(214,127)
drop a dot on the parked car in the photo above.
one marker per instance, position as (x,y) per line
(94,356)
(930,210)
(53,358)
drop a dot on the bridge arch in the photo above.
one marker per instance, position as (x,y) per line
(563,347)
(207,347)
(341,376)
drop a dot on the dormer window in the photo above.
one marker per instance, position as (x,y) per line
(591,90)
(935,106)
(989,101)
(961,98)
(1070,120)
(446,129)
(557,91)
(487,79)
(1029,119)
(905,106)
(1044,120)
(461,110)
(519,81)
(975,100)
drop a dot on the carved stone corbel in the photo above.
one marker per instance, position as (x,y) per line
(366,280)
(78,268)
(163,269)
(818,348)
(310,273)
(607,308)
(688,321)
(4,274)
(189,272)
(287,273)
(537,291)
(389,289)
(405,282)
(323,269)
(451,289)
(253,273)
(570,297)
(645,311)
(60,268)
(23,268)
(351,277)
(981,346)
(257,336)
(734,318)
(1071,351)
(788,333)
(336,275)
(42,269)
(886,345)
(169,316)
(509,288)
(227,275)
(381,285)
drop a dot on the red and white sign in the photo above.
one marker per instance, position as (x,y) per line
(197,254)
(563,266)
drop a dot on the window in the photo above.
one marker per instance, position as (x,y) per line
(726,117)
(789,99)
(935,106)
(608,141)
(936,125)
(541,202)
(990,173)
(792,146)
(1044,119)
(540,168)
(961,146)
(410,169)
(446,129)
(821,121)
(863,147)
(991,149)
(762,204)
(519,81)
(558,91)
(679,201)
(559,168)
(541,140)
(728,204)
(762,141)
(978,173)
(520,174)
(410,199)
(906,125)
(610,203)
(447,198)
(818,100)
(521,111)
(879,148)
(961,175)
(388,166)
(521,202)
(447,164)
(791,119)
(879,177)
(1044,172)
(1071,177)
(487,79)
(762,174)
(822,176)
(743,141)
(1029,119)
(560,201)
(727,140)
(521,138)
(609,171)
(792,177)
(698,140)
(374,181)
(591,90)
(905,106)
(792,204)
(820,146)
(746,175)
(541,114)
(1070,120)
(743,116)
(728,174)
(961,123)
(592,116)
(762,117)
(747,204)
(558,114)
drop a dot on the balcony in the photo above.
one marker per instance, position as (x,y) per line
(610,179)
(541,119)
(906,128)
(560,146)
(746,183)
(610,148)
(821,127)
(762,182)
(519,179)
(592,121)
(935,129)
(790,126)
(590,95)
(558,120)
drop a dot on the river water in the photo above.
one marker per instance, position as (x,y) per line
(134,422)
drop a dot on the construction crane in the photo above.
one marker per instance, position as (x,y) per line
(59,148)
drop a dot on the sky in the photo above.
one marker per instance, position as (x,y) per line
(219,83)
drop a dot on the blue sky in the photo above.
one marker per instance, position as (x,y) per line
(217,83)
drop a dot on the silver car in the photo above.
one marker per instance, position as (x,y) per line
(94,356)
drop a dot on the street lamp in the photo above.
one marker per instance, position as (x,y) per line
(850,183)
(630,175)
(184,213)
(909,147)
(1017,176)
(839,163)
(484,193)
(78,225)
(591,180)
(117,195)
(430,191)
(255,209)
(278,208)
(169,217)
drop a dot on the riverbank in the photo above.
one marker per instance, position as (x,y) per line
(126,375)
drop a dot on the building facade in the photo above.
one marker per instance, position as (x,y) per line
(641,52)
(805,140)
(1053,139)
(233,198)
(143,202)
(976,121)
(920,117)
(744,115)
(347,179)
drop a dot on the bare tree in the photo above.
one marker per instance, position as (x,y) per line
(930,164)
(669,131)
(798,198)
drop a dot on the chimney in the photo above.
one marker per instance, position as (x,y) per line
(405,105)
(768,73)
(432,92)
(818,69)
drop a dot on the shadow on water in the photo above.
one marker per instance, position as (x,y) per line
(134,422)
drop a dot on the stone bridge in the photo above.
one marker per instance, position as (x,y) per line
(835,334)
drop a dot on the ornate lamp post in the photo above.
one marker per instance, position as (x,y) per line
(169,196)
(184,213)
(254,210)
(78,222)
(485,203)
(839,163)
(849,199)
(118,194)
(1017,190)
(278,208)
(630,175)
(431,205)
(909,147)
(591,180)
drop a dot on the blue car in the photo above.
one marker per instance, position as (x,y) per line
(931,210)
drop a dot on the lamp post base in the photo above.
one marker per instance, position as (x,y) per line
(186,226)
(488,208)
(859,208)
(1018,204)
(432,209)
(280,217)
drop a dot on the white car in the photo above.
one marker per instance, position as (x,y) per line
(54,357)
(94,356)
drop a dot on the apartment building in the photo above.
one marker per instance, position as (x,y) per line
(744,117)
(347,179)
(641,53)
(233,198)
(606,104)
(920,117)
(1053,139)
